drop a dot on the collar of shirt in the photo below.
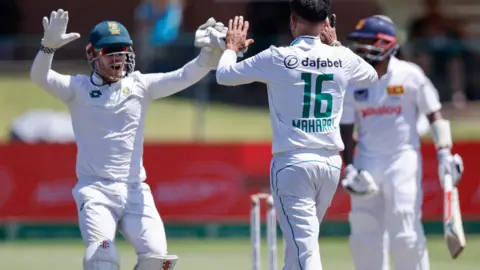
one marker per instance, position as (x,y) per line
(391,66)
(306,41)
(97,80)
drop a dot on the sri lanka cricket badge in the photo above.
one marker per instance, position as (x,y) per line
(395,90)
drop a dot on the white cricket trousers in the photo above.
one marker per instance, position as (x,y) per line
(390,221)
(105,206)
(303,183)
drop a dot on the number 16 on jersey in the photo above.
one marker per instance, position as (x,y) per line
(319,119)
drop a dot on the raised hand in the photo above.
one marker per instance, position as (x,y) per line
(236,39)
(329,32)
(211,34)
(55,28)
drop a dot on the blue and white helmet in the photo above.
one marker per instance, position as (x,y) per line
(374,38)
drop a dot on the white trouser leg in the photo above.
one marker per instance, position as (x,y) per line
(367,226)
(403,194)
(98,211)
(302,192)
(141,224)
(367,232)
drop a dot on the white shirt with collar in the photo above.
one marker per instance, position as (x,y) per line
(306,82)
(386,113)
(109,120)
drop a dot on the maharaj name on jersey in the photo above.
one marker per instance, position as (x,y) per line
(314,125)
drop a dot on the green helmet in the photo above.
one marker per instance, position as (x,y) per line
(110,38)
(110,33)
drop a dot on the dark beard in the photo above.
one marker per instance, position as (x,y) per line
(374,63)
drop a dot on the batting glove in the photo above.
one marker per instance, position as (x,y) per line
(449,164)
(359,183)
(55,35)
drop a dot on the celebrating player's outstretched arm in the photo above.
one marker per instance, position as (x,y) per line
(54,37)
(160,85)
(258,67)
(156,85)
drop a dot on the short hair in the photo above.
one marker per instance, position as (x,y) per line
(311,10)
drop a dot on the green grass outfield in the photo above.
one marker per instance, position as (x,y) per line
(230,254)
(171,119)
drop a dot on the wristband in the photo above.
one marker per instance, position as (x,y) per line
(336,43)
(47,50)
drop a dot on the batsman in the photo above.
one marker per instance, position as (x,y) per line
(385,177)
(108,109)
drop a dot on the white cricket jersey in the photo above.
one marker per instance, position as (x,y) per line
(306,83)
(108,121)
(386,113)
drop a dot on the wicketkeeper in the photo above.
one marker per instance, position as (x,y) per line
(108,109)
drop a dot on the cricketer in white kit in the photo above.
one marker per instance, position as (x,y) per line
(384,178)
(306,83)
(108,111)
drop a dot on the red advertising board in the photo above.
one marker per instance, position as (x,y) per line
(196,183)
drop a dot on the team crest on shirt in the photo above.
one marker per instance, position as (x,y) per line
(395,90)
(361,94)
(126,91)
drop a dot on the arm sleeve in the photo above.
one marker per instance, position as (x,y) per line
(60,86)
(253,69)
(159,85)
(361,73)
(348,115)
(427,98)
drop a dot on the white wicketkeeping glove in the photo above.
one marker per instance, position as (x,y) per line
(359,183)
(208,37)
(449,164)
(55,35)
(212,34)
(209,57)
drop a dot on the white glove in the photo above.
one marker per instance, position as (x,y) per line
(359,183)
(207,37)
(449,164)
(54,35)
(209,57)
(212,34)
